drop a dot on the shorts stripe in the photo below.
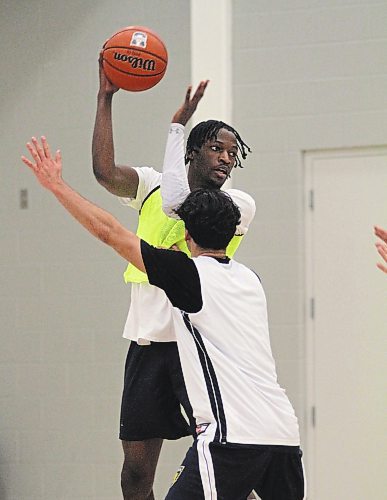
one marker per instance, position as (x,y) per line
(305,484)
(206,469)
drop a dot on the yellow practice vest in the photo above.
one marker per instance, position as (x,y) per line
(159,230)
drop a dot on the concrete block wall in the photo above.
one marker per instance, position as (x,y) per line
(307,75)
(63,302)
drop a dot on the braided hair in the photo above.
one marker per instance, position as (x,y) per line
(207,131)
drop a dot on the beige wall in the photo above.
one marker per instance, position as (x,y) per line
(63,301)
(306,75)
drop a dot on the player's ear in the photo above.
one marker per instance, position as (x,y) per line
(188,240)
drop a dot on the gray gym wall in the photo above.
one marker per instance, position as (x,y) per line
(306,75)
(63,299)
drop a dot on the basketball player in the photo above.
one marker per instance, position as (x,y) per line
(381,246)
(154,387)
(247,434)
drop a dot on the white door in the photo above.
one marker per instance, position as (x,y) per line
(346,325)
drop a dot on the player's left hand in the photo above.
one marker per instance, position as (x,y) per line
(47,170)
(188,108)
(381,246)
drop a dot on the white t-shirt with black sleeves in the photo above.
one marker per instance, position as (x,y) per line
(221,325)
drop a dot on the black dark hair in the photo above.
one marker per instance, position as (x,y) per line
(207,131)
(210,217)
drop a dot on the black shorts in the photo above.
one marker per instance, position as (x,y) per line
(273,472)
(153,391)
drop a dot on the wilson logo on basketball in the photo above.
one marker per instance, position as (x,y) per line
(136,62)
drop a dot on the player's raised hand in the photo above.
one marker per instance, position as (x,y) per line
(47,169)
(381,233)
(184,113)
(105,85)
(381,246)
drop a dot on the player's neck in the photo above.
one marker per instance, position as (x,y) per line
(197,250)
(220,254)
(207,252)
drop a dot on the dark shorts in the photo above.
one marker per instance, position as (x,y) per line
(274,472)
(153,391)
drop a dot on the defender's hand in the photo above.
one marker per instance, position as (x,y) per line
(381,246)
(47,170)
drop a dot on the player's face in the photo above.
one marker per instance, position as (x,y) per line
(214,161)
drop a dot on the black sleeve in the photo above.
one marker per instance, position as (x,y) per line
(176,274)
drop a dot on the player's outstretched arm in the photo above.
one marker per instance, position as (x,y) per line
(48,171)
(174,184)
(118,179)
(381,246)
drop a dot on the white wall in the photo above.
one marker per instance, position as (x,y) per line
(63,301)
(306,75)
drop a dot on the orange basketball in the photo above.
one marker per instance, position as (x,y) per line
(134,58)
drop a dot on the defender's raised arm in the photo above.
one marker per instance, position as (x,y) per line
(101,224)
